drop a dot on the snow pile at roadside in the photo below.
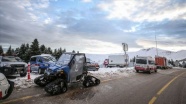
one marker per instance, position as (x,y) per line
(112,72)
(22,82)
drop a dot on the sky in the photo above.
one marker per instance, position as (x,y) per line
(94,26)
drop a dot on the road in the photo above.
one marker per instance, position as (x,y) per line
(164,87)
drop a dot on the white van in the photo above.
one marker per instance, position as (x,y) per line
(145,63)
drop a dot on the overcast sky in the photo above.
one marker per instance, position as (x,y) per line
(94,26)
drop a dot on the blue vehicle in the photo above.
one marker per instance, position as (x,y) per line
(70,68)
(40,63)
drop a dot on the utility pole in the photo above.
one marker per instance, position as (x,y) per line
(156,45)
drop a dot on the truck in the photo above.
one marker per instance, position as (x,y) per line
(145,64)
(118,60)
(161,62)
(70,68)
(11,65)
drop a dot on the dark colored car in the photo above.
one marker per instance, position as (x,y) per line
(40,63)
(10,65)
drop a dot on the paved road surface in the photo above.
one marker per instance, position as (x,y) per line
(164,87)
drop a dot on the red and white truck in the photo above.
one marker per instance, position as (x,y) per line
(161,62)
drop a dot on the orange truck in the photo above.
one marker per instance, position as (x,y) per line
(161,62)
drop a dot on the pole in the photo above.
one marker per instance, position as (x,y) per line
(156,46)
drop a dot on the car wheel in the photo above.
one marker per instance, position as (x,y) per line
(97,81)
(40,71)
(86,83)
(9,90)
(155,71)
(149,71)
(64,89)
(137,71)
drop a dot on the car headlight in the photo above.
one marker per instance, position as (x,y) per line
(3,82)
(6,65)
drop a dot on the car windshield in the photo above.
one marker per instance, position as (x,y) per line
(141,61)
(18,59)
(64,59)
(9,59)
(49,58)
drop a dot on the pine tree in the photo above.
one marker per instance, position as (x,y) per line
(13,52)
(27,53)
(17,51)
(55,53)
(49,51)
(73,51)
(22,51)
(1,50)
(9,51)
(42,49)
(64,50)
(35,48)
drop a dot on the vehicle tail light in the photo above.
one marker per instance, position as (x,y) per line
(1,95)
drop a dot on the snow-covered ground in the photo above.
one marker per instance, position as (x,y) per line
(110,73)
(102,73)
(23,82)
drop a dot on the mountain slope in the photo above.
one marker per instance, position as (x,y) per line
(143,52)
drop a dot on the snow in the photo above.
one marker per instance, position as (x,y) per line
(23,82)
(110,73)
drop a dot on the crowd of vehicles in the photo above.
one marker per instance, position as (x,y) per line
(70,68)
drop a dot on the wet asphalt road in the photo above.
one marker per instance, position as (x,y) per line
(140,88)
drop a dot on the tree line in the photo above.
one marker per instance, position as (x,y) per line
(25,51)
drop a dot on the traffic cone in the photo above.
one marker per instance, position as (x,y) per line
(1,95)
(28,72)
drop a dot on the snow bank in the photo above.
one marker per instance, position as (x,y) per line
(22,82)
(110,73)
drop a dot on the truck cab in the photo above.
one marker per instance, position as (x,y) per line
(145,64)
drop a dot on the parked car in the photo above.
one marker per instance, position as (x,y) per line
(10,65)
(92,66)
(145,64)
(6,87)
(40,63)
